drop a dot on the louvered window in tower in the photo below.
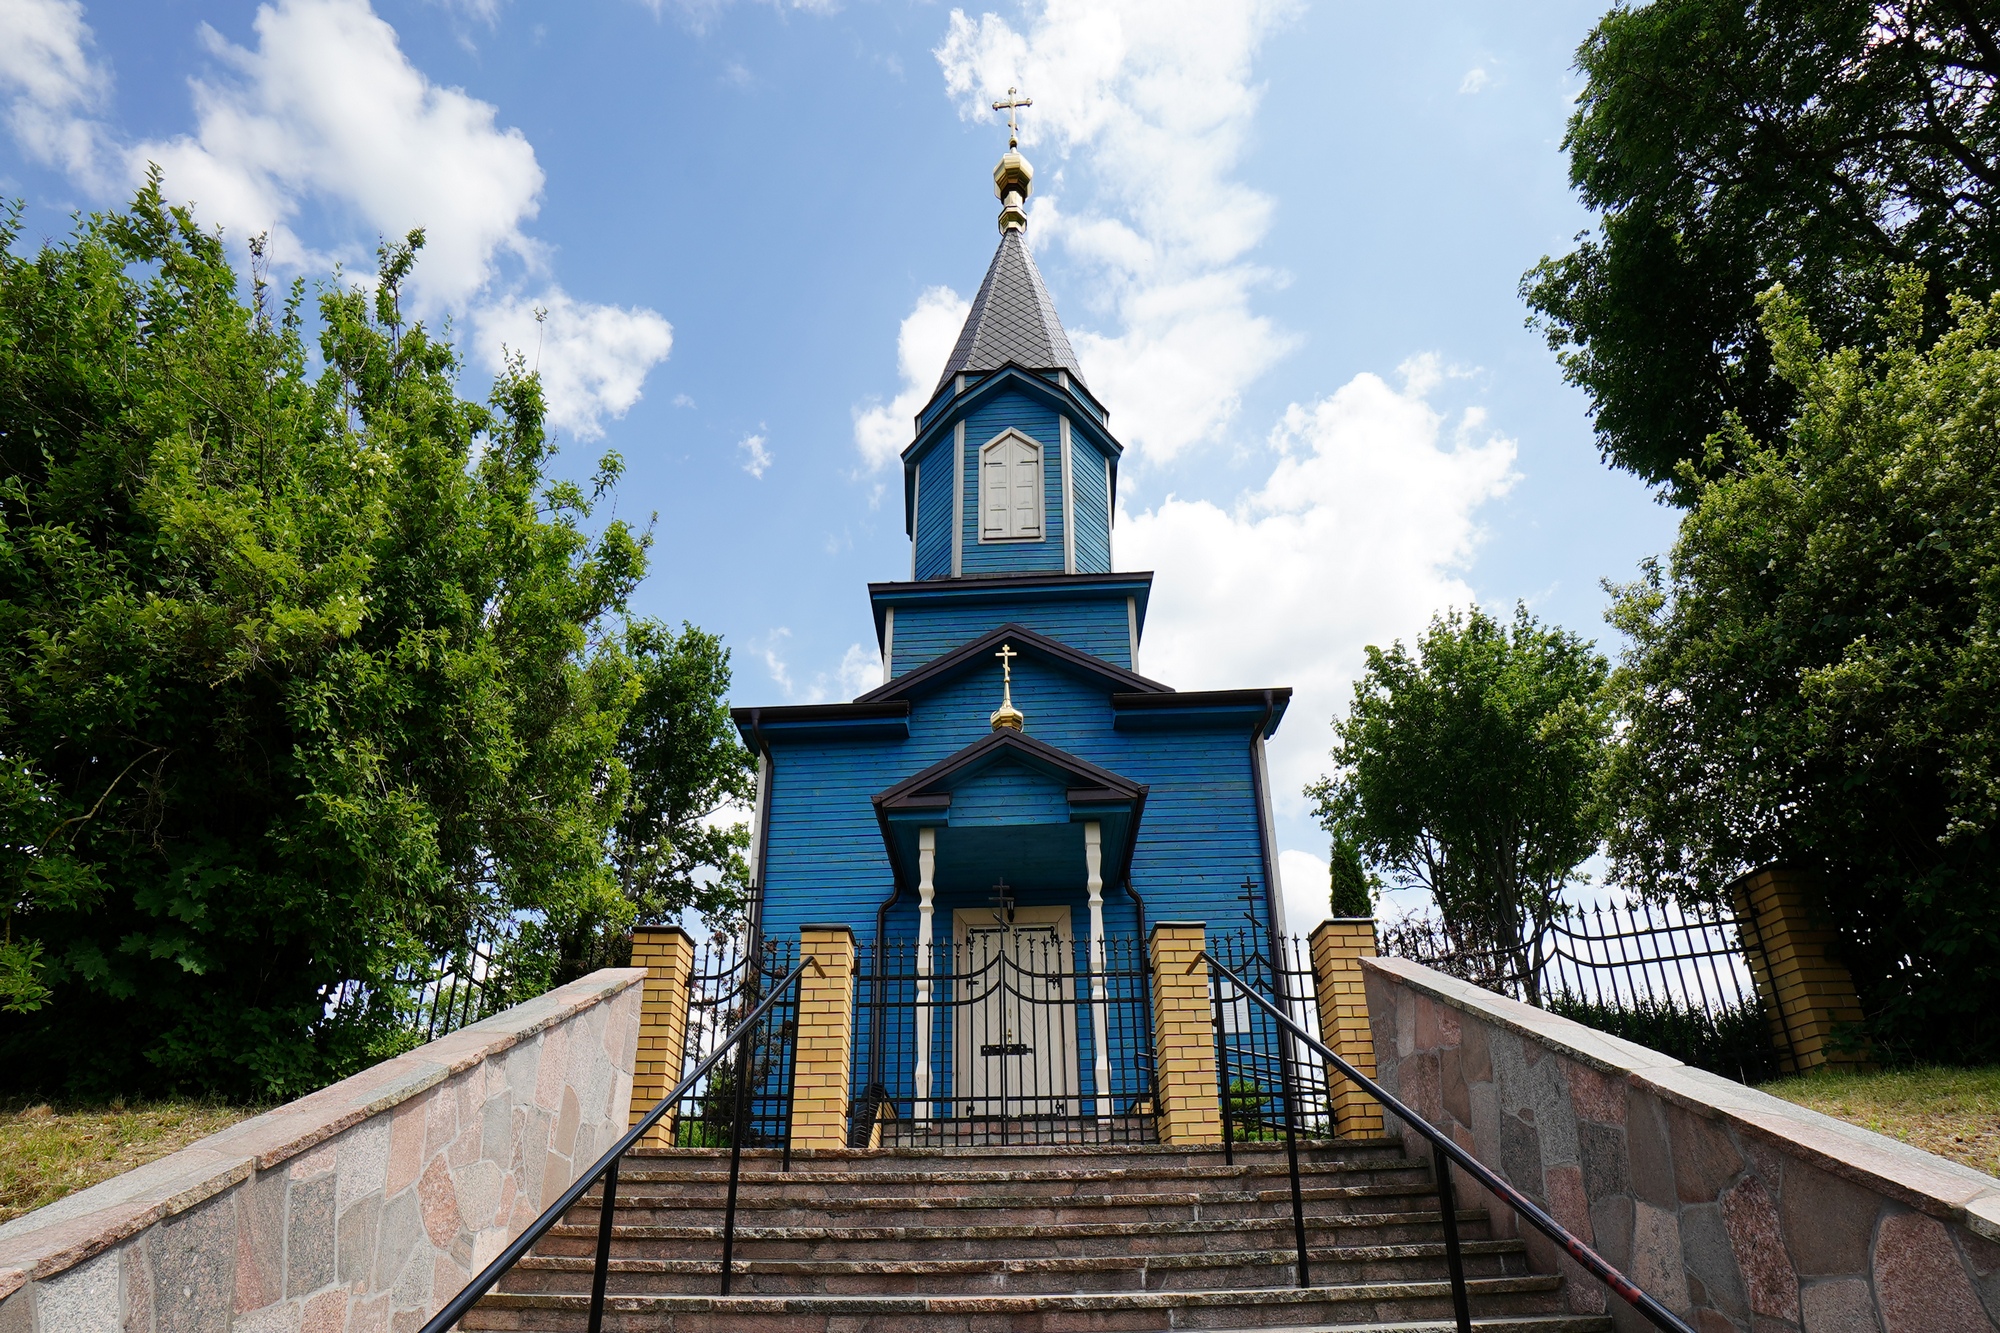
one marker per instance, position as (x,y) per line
(1010,489)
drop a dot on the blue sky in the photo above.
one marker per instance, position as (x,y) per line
(1285,238)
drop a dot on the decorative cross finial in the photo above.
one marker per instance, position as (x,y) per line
(1003,900)
(1006,715)
(1008,104)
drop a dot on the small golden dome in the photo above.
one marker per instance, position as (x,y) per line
(1013,181)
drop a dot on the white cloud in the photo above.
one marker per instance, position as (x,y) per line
(1157,97)
(882,431)
(327,107)
(1308,890)
(755,456)
(1476,79)
(52,85)
(860,670)
(1357,536)
(592,358)
(326,117)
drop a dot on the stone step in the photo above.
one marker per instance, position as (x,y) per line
(1344,1305)
(1010,1240)
(1037,1155)
(1160,1206)
(1057,1274)
(651,1175)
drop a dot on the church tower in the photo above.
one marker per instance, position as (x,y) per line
(949,833)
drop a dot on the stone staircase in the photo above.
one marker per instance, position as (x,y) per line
(1042,1239)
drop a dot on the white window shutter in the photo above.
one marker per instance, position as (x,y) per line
(1027,490)
(993,492)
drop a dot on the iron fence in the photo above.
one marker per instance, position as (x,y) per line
(440,995)
(1672,977)
(1014,1034)
(750,1086)
(1268,1083)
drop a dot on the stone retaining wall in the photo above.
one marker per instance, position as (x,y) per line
(1740,1211)
(358,1209)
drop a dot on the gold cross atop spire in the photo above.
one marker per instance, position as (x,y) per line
(1013,178)
(1008,104)
(1006,715)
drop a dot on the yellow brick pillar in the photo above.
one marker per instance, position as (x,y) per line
(1807,993)
(825,1055)
(667,954)
(1188,1109)
(1338,946)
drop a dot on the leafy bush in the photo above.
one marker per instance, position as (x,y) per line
(1735,1043)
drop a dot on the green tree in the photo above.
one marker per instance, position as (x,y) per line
(1470,770)
(1731,146)
(300,668)
(674,846)
(1354,885)
(1814,676)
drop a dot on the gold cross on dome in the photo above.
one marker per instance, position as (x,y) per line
(1007,656)
(1008,104)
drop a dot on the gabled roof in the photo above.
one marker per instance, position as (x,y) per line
(1085,783)
(1012,319)
(1033,850)
(979,653)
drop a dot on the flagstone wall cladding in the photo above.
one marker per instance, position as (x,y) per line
(357,1209)
(1740,1211)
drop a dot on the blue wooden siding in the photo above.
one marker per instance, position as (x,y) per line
(1087,482)
(1008,794)
(1198,842)
(1093,521)
(934,512)
(1100,627)
(1013,557)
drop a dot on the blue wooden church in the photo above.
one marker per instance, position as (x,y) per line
(1002,820)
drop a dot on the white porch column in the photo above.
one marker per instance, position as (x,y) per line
(926,891)
(1093,861)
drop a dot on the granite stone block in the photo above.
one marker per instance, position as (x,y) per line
(439,1200)
(1757,1237)
(1648,1150)
(1920,1284)
(1706,1247)
(1451,1080)
(1829,1223)
(136,1271)
(1606,1168)
(1705,1161)
(1657,1265)
(1611,1224)
(1838,1305)
(325,1313)
(398,1238)
(83,1300)
(356,1231)
(194,1268)
(1521,1157)
(309,1235)
(363,1154)
(260,1259)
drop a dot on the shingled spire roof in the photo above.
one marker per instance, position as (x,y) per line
(1012,319)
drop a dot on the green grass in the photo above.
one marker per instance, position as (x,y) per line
(47,1152)
(1954,1113)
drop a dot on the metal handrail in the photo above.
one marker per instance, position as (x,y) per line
(1443,1151)
(607,1166)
